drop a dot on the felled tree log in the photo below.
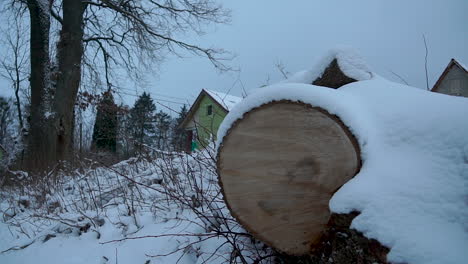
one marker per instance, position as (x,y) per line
(278,168)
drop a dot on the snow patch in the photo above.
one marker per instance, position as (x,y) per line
(48,114)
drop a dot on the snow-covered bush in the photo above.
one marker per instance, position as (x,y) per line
(166,209)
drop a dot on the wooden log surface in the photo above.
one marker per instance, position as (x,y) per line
(279,166)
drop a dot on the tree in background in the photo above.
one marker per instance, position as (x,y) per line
(9,132)
(163,125)
(105,127)
(14,63)
(6,120)
(125,144)
(128,35)
(142,119)
(179,135)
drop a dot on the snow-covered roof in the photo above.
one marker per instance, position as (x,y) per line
(349,62)
(453,62)
(412,188)
(461,64)
(226,100)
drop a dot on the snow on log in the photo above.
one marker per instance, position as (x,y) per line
(279,167)
(339,67)
(285,150)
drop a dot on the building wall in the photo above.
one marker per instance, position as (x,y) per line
(206,126)
(454,83)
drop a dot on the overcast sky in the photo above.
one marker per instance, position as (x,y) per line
(388,34)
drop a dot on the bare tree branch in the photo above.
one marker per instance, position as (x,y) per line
(399,77)
(425,62)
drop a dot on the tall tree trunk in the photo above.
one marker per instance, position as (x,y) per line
(69,55)
(39,151)
(51,122)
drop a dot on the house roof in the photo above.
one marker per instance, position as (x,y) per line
(453,62)
(227,101)
(224,101)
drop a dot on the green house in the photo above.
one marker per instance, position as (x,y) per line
(205,116)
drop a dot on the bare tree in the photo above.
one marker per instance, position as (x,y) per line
(14,63)
(109,33)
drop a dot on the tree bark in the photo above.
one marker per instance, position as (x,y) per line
(51,122)
(39,152)
(69,55)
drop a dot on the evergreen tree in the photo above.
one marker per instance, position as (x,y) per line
(105,127)
(142,120)
(124,134)
(179,135)
(163,124)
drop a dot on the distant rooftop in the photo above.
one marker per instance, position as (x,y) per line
(453,62)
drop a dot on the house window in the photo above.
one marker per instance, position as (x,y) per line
(209,110)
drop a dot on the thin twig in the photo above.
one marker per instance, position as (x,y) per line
(425,62)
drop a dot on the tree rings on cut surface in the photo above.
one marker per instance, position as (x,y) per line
(278,168)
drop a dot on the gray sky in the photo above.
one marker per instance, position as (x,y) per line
(388,34)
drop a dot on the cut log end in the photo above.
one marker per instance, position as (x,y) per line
(278,168)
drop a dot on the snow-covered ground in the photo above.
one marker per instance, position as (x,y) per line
(164,211)
(411,191)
